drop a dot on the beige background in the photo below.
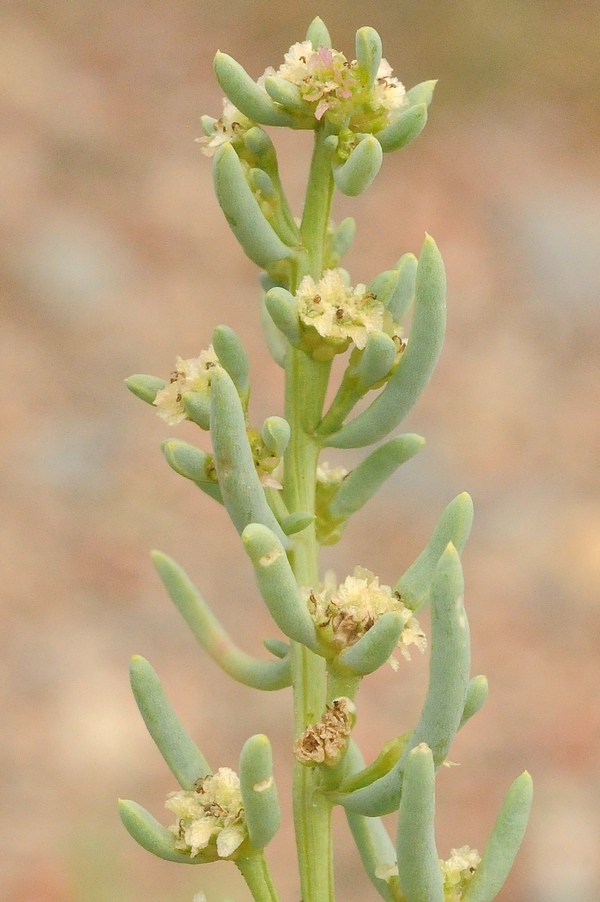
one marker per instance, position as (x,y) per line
(115,258)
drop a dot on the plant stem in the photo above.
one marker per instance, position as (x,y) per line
(317,207)
(255,871)
(306,385)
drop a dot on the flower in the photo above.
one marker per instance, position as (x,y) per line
(212,814)
(386,871)
(345,613)
(330,476)
(340,314)
(336,89)
(457,871)
(325,741)
(229,127)
(389,93)
(193,375)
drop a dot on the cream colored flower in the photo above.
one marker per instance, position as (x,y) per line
(386,871)
(340,314)
(457,871)
(345,613)
(194,375)
(230,126)
(212,814)
(388,92)
(328,475)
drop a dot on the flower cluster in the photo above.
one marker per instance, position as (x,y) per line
(229,127)
(325,741)
(338,313)
(211,817)
(345,613)
(335,88)
(457,871)
(192,375)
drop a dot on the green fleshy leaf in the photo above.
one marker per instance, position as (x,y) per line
(454,526)
(368,52)
(243,494)
(422,93)
(503,844)
(416,365)
(284,313)
(183,757)
(404,293)
(249,671)
(477,693)
(278,585)
(318,34)
(151,835)
(256,236)
(259,793)
(145,387)
(375,647)
(448,679)
(404,128)
(418,863)
(248,96)
(356,174)
(233,358)
(360,485)
(374,845)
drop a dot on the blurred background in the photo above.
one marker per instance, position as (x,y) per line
(115,258)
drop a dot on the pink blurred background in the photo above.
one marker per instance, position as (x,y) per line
(115,258)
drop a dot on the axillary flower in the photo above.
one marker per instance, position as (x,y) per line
(336,88)
(457,872)
(335,314)
(191,375)
(326,741)
(344,613)
(210,819)
(230,127)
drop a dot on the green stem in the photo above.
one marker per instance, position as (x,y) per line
(305,388)
(255,871)
(306,385)
(317,207)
